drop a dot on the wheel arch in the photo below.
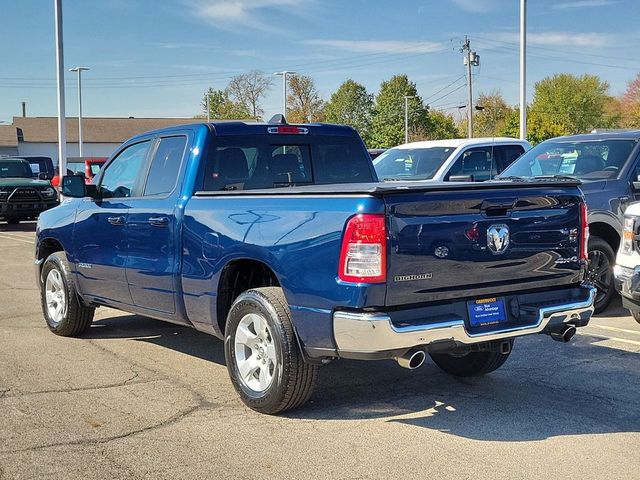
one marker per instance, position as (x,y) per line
(605,231)
(45,247)
(237,276)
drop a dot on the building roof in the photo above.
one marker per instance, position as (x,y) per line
(94,129)
(8,136)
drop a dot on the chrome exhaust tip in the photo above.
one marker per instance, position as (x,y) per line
(413,359)
(563,334)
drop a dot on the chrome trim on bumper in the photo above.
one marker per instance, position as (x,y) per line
(374,332)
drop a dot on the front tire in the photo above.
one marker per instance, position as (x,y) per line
(600,272)
(63,310)
(263,358)
(635,314)
(472,364)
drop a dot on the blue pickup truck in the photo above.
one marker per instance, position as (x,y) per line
(278,239)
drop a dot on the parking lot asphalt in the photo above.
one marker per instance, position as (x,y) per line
(139,398)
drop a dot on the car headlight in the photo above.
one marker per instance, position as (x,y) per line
(628,234)
(48,192)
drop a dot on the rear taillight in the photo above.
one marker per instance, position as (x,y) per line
(628,234)
(584,231)
(363,257)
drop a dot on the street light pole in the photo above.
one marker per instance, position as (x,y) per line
(79,70)
(284,74)
(62,134)
(523,69)
(406,117)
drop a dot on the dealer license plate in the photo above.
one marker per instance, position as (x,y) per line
(486,311)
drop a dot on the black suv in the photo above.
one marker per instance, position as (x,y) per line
(21,196)
(608,164)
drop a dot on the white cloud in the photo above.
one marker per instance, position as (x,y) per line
(590,39)
(379,46)
(477,6)
(583,4)
(230,14)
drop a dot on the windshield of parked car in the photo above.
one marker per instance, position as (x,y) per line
(411,163)
(584,159)
(15,169)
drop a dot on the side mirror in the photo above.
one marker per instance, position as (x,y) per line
(74,186)
(636,184)
(43,176)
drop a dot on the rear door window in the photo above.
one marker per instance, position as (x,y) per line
(165,166)
(505,155)
(475,163)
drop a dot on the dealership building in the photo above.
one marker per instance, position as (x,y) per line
(100,136)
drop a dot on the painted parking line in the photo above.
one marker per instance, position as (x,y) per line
(616,329)
(16,238)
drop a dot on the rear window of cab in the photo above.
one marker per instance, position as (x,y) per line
(254,162)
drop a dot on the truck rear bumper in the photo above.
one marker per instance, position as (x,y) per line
(376,335)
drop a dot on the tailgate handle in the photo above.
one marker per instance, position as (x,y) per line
(493,206)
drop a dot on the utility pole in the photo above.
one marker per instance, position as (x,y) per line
(470,59)
(284,74)
(208,101)
(79,70)
(523,69)
(406,117)
(62,133)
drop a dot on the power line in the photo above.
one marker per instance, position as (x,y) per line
(444,88)
(450,93)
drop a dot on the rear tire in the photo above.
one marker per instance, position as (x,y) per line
(600,273)
(635,314)
(263,357)
(13,221)
(62,308)
(473,364)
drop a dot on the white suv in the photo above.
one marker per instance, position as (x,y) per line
(461,160)
(627,269)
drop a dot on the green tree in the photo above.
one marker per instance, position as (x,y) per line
(492,119)
(248,90)
(351,105)
(577,104)
(539,127)
(387,127)
(222,107)
(443,126)
(304,102)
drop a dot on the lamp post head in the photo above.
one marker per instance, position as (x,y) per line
(78,69)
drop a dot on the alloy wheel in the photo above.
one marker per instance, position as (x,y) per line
(255,353)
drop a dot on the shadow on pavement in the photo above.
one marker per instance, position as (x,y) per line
(174,337)
(615,309)
(21,227)
(545,389)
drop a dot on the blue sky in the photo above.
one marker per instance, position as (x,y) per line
(156,58)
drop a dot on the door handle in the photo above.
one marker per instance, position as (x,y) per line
(159,221)
(116,220)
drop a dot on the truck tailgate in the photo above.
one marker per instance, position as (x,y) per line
(479,242)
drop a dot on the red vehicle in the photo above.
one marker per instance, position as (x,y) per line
(87,166)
